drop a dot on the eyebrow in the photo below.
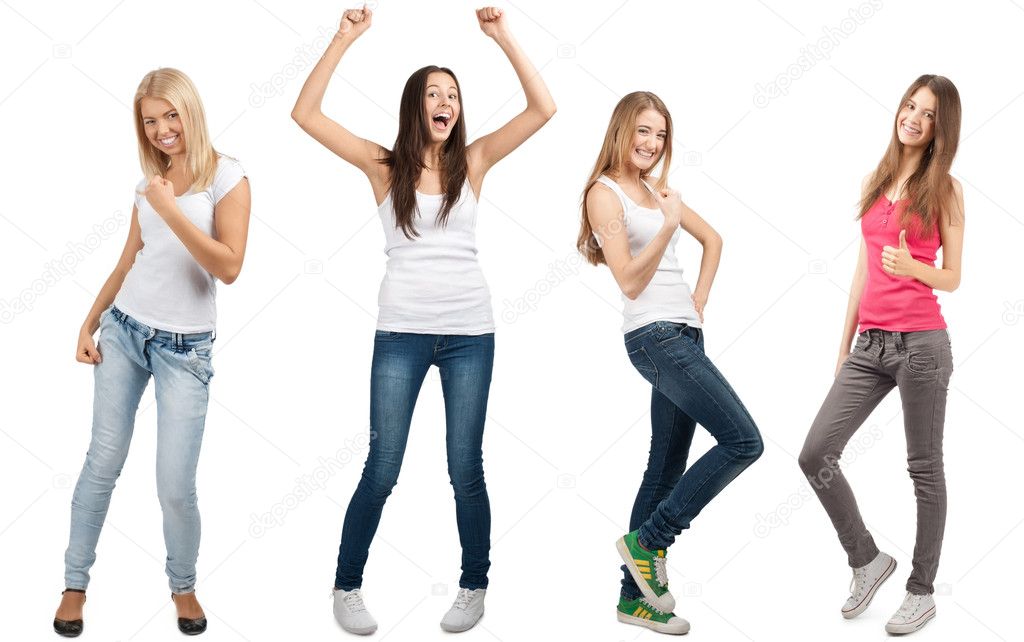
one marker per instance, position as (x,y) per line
(145,117)
(660,131)
(450,88)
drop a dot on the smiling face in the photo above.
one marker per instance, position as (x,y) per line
(648,140)
(915,123)
(163,126)
(441,105)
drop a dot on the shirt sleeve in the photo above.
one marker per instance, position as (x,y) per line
(229,174)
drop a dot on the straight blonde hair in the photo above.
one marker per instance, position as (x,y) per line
(618,141)
(200,156)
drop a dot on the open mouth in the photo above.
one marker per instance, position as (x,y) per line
(170,141)
(644,154)
(441,120)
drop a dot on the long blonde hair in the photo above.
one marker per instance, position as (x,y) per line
(200,157)
(929,189)
(618,141)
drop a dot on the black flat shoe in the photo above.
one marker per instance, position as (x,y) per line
(69,628)
(189,626)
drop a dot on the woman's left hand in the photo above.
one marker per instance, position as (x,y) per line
(160,194)
(700,299)
(897,261)
(492,21)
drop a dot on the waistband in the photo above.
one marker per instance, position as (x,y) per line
(178,339)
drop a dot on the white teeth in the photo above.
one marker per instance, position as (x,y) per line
(446,117)
(167,142)
(644,154)
(910,130)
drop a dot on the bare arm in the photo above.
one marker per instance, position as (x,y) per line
(360,152)
(899,262)
(222,256)
(87,352)
(860,277)
(487,150)
(632,273)
(711,256)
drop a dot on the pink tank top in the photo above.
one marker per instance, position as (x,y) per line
(900,304)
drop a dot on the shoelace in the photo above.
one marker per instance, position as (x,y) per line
(354,601)
(859,582)
(911,605)
(661,570)
(463,599)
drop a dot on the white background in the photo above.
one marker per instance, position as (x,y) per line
(568,428)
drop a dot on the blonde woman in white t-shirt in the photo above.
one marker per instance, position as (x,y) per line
(434,305)
(157,314)
(631,222)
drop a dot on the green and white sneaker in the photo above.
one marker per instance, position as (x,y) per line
(648,571)
(641,613)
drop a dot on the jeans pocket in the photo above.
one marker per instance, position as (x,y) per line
(201,362)
(920,363)
(386,335)
(644,365)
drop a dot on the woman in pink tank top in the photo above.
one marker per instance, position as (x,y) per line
(910,207)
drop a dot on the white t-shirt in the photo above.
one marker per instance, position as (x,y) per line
(667,296)
(433,283)
(166,288)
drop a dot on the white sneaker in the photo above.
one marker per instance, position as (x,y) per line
(465,612)
(351,613)
(914,613)
(866,581)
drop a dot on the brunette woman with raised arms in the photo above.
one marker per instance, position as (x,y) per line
(434,304)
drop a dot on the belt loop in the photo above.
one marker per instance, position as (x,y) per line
(898,340)
(179,342)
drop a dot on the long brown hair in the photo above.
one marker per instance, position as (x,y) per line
(406,159)
(200,156)
(929,190)
(618,140)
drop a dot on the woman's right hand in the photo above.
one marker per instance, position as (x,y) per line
(840,362)
(87,350)
(671,206)
(355,21)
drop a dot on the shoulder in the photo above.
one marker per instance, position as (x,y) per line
(228,165)
(603,197)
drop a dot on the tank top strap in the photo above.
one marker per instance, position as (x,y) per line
(623,199)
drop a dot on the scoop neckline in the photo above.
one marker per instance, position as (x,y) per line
(626,196)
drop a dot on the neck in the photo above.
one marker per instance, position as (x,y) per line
(628,173)
(910,160)
(432,155)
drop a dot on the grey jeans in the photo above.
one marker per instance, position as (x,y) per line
(920,364)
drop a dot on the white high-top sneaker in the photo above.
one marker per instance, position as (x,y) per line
(465,612)
(914,613)
(351,613)
(866,581)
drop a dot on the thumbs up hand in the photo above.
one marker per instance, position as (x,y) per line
(897,261)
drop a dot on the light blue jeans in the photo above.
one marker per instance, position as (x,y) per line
(180,365)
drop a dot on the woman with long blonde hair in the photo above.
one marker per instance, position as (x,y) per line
(631,222)
(910,207)
(157,315)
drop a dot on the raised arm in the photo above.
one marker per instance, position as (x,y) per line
(487,150)
(222,256)
(87,351)
(362,153)
(632,273)
(898,261)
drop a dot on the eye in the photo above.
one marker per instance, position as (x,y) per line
(662,136)
(431,94)
(929,115)
(172,115)
(452,97)
(147,122)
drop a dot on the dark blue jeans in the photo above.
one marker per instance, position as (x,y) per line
(400,362)
(687,389)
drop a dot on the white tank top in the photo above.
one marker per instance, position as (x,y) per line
(667,296)
(433,283)
(166,288)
